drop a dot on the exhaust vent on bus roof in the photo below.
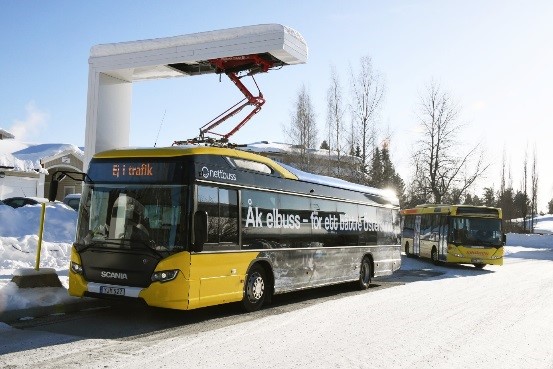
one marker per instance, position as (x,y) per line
(250,165)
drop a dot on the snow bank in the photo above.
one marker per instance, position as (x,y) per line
(14,298)
(531,240)
(21,253)
(60,222)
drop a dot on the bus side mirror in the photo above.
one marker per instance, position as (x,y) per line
(200,230)
(504,238)
(58,176)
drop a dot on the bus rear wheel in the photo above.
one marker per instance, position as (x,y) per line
(365,273)
(255,290)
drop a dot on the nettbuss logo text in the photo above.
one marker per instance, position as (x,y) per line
(219,174)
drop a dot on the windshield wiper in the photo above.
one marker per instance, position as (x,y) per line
(149,244)
(81,246)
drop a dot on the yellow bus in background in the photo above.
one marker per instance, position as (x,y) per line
(454,234)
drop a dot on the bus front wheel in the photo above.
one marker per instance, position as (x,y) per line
(479,266)
(255,290)
(365,273)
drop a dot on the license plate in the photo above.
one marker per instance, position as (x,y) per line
(476,260)
(119,291)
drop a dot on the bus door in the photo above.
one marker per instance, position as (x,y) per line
(215,269)
(416,236)
(442,243)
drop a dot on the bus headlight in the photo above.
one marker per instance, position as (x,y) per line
(76,268)
(164,275)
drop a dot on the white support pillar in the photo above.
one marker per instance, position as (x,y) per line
(108,113)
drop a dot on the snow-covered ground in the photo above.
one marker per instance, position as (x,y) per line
(498,317)
(543,224)
(18,248)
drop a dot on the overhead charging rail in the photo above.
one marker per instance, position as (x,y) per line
(236,52)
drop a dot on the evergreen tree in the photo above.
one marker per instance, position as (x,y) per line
(521,203)
(358,151)
(488,197)
(382,173)
(376,170)
(550,207)
(390,178)
(324,145)
(472,200)
(505,202)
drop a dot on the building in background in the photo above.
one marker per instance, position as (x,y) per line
(26,169)
(319,161)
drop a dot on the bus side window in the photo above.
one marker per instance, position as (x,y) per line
(261,225)
(425,227)
(435,227)
(221,206)
(296,222)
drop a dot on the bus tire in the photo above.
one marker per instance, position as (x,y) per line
(365,273)
(255,289)
(479,265)
(434,256)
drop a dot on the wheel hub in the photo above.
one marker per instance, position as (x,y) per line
(256,287)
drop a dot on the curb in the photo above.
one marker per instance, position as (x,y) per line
(12,316)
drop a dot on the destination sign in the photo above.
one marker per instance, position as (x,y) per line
(139,171)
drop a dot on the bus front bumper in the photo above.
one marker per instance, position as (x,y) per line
(159,294)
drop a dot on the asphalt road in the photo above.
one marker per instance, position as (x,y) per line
(137,322)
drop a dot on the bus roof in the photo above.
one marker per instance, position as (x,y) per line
(285,171)
(188,150)
(467,210)
(388,195)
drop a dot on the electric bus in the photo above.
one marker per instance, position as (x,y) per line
(190,226)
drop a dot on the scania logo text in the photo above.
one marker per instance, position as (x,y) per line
(113,275)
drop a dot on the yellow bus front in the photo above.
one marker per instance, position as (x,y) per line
(182,281)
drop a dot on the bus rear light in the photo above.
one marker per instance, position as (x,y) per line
(76,268)
(165,275)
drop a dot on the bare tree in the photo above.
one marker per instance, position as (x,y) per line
(302,132)
(534,206)
(367,98)
(440,167)
(335,120)
(503,163)
(524,204)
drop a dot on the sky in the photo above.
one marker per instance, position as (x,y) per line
(493,57)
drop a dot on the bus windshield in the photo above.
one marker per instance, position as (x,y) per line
(128,216)
(475,231)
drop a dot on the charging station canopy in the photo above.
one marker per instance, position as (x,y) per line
(114,67)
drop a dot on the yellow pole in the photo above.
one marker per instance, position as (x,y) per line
(40,230)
